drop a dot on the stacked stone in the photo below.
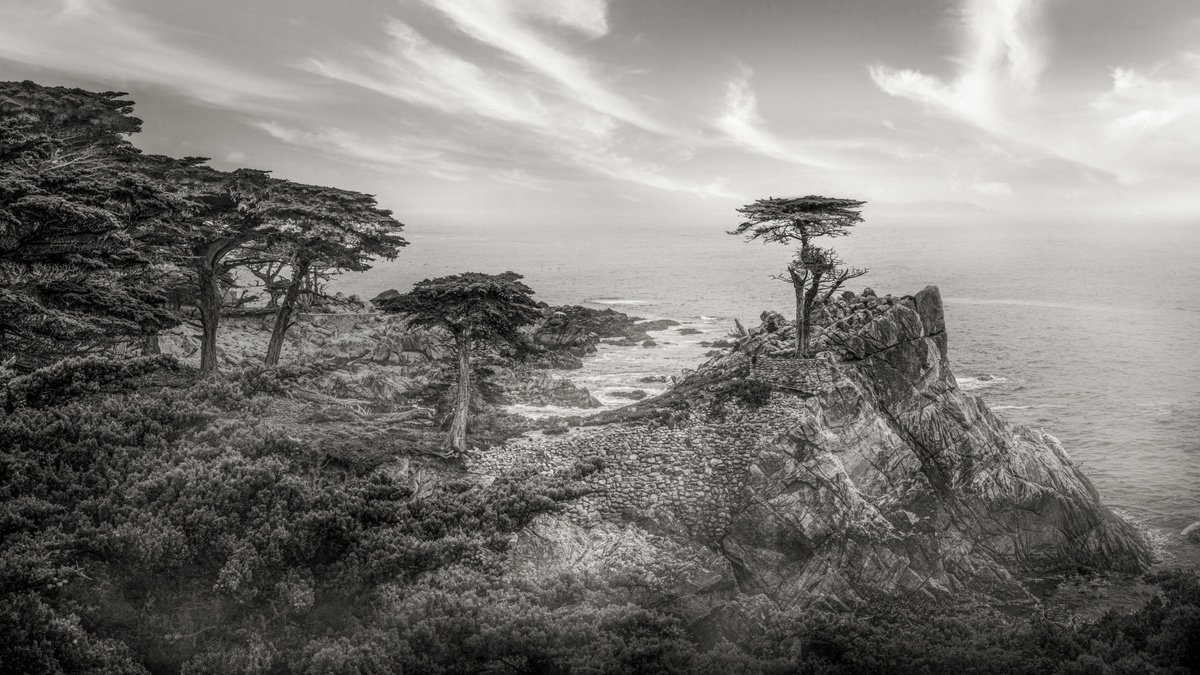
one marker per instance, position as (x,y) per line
(806,375)
(692,476)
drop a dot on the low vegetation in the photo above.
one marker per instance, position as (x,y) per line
(156,518)
(181,525)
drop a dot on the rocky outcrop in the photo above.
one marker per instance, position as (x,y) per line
(538,388)
(866,471)
(578,331)
(894,480)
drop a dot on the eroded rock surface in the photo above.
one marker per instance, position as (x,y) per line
(867,471)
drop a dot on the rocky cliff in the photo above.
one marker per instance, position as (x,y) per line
(862,471)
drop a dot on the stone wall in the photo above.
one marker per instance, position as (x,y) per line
(804,375)
(689,479)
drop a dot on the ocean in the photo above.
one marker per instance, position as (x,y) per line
(1088,331)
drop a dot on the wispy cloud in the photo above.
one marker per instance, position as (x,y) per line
(110,41)
(1145,127)
(1140,103)
(505,25)
(993,189)
(411,154)
(742,123)
(999,66)
(414,70)
(545,123)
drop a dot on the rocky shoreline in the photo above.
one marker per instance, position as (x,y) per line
(863,471)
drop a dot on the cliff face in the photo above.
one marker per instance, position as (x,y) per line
(894,480)
(867,471)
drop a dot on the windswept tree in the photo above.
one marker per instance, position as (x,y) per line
(329,230)
(815,272)
(73,277)
(477,310)
(224,211)
(232,219)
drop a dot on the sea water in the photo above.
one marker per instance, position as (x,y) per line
(1087,331)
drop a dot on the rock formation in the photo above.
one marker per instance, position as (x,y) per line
(866,471)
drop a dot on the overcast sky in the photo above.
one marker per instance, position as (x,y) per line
(459,112)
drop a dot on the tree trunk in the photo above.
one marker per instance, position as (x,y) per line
(456,441)
(210,314)
(150,346)
(803,332)
(283,315)
(798,289)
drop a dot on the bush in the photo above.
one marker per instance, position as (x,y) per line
(751,393)
(177,530)
(75,377)
(179,527)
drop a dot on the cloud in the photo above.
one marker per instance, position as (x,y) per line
(108,41)
(415,70)
(1145,127)
(1166,99)
(1000,63)
(503,25)
(993,189)
(742,122)
(411,154)
(542,125)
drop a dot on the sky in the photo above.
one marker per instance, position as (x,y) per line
(507,113)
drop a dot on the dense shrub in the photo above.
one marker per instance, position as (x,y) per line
(179,524)
(750,393)
(178,529)
(74,377)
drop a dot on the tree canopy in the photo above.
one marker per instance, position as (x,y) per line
(784,220)
(481,306)
(814,272)
(474,308)
(71,273)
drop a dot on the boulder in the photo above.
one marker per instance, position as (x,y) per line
(385,296)
(1191,533)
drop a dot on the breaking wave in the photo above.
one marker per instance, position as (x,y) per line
(971,383)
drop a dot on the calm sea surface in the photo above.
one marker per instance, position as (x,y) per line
(1091,333)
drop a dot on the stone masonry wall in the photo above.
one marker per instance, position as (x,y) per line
(693,476)
(806,375)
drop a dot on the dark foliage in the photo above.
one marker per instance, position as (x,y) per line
(752,393)
(175,527)
(72,275)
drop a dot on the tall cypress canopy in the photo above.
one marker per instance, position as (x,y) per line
(72,277)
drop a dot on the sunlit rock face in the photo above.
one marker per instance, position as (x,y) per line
(893,480)
(867,472)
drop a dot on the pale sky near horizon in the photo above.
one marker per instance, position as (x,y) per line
(509,112)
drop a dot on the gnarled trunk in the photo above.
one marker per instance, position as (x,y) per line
(210,314)
(810,301)
(456,441)
(283,315)
(798,290)
(150,346)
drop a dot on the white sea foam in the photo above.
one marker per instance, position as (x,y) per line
(1025,407)
(617,301)
(540,411)
(969,383)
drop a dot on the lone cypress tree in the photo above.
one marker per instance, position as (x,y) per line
(475,309)
(815,271)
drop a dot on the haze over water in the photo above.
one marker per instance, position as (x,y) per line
(1088,332)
